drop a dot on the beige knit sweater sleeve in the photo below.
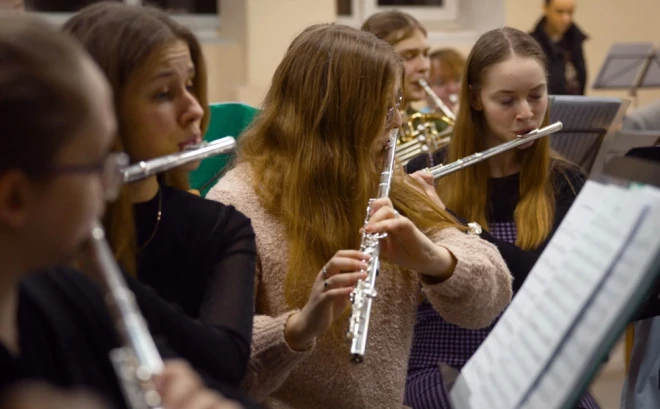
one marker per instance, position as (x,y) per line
(271,359)
(480,287)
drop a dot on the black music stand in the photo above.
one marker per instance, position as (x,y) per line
(588,122)
(623,141)
(630,66)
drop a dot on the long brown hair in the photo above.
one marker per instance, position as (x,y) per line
(392,26)
(121,39)
(466,192)
(311,152)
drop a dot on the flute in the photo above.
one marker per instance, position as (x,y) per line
(204,150)
(438,102)
(137,360)
(443,170)
(365,290)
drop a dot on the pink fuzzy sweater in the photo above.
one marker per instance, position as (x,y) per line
(323,377)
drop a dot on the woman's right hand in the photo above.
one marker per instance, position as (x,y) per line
(328,299)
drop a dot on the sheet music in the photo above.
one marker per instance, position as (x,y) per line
(521,345)
(509,324)
(577,352)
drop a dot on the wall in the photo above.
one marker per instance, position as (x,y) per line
(255,35)
(244,76)
(606,22)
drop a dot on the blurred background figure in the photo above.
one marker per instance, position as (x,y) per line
(18,5)
(562,41)
(646,118)
(445,77)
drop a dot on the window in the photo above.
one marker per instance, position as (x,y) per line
(200,16)
(354,12)
(448,22)
(174,6)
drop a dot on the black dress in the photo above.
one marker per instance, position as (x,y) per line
(65,335)
(202,258)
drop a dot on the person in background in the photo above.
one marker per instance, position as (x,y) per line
(445,78)
(16,5)
(562,42)
(646,118)
(409,39)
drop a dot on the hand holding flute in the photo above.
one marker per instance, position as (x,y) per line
(147,381)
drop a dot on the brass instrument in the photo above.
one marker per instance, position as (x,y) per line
(364,292)
(194,153)
(419,133)
(443,170)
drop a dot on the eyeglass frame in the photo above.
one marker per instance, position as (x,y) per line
(397,105)
(110,168)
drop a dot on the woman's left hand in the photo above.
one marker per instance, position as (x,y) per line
(405,245)
(427,185)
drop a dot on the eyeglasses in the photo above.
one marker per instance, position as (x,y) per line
(397,105)
(109,168)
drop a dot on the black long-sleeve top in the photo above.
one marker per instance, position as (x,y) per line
(503,197)
(201,258)
(66,334)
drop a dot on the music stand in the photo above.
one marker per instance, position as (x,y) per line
(630,66)
(622,142)
(588,123)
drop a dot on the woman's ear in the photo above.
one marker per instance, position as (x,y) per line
(475,101)
(15,198)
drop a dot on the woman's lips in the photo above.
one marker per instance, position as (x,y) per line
(524,131)
(195,140)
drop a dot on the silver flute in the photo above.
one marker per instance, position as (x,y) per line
(194,153)
(443,170)
(138,360)
(365,290)
(436,99)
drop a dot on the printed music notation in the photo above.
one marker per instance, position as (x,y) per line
(536,354)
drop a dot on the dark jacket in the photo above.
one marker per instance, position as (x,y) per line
(572,41)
